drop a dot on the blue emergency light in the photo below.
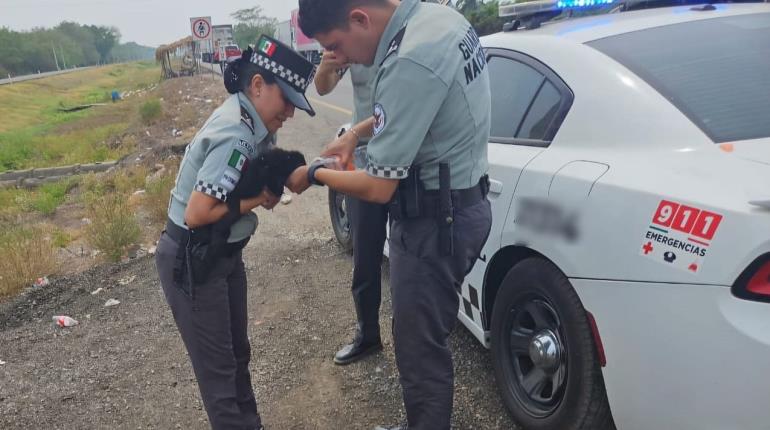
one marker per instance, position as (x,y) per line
(514,9)
(575,4)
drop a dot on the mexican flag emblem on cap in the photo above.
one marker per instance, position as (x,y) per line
(267,47)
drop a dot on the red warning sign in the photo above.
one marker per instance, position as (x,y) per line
(201,27)
(687,219)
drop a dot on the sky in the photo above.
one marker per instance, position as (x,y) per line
(146,22)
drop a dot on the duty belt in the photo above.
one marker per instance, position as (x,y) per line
(182,236)
(413,201)
(430,203)
(197,252)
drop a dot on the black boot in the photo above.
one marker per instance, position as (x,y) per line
(357,350)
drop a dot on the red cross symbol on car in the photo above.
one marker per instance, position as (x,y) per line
(647,248)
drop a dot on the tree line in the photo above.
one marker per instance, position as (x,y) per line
(482,15)
(65,46)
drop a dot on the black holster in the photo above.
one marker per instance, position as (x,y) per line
(198,251)
(412,201)
(406,203)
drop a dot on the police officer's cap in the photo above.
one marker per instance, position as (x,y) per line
(293,71)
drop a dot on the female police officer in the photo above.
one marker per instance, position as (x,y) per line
(205,285)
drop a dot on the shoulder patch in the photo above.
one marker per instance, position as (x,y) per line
(247,146)
(395,43)
(380,118)
(246,119)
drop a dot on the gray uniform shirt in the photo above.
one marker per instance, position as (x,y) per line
(431,97)
(362,77)
(232,136)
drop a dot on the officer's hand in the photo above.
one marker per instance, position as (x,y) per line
(269,200)
(334,61)
(297,181)
(342,147)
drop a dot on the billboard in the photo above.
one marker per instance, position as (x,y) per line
(303,42)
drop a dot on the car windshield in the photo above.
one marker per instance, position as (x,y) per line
(716,71)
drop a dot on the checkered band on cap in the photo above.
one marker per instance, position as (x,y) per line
(387,172)
(281,71)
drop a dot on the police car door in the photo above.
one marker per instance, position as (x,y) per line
(528,104)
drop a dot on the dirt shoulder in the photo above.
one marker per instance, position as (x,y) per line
(124,367)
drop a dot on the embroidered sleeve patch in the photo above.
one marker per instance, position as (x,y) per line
(230,179)
(380,118)
(238,161)
(212,190)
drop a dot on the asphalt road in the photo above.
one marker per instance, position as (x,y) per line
(340,100)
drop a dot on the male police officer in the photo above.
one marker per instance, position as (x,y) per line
(428,158)
(367,220)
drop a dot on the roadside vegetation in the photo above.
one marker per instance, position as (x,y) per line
(35,132)
(105,214)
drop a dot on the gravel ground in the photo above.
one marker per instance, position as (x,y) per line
(124,367)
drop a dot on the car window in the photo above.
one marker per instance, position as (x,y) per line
(514,85)
(541,114)
(716,71)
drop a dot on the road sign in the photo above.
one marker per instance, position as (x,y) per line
(201,27)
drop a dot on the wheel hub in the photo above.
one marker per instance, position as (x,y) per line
(545,350)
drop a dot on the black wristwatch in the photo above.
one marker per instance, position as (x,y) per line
(311,173)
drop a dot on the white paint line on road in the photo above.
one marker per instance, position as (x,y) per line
(330,106)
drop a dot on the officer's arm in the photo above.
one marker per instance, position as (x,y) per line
(344,145)
(328,74)
(203,209)
(358,184)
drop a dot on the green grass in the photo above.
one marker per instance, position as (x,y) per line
(14,202)
(60,238)
(150,111)
(113,227)
(158,193)
(48,197)
(45,199)
(35,133)
(33,147)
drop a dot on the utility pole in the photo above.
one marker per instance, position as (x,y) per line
(61,51)
(54,57)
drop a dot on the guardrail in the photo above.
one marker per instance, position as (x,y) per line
(32,178)
(22,78)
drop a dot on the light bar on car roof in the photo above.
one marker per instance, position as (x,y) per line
(510,8)
(572,4)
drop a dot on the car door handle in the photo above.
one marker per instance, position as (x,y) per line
(495,186)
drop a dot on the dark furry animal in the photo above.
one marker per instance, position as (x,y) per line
(269,170)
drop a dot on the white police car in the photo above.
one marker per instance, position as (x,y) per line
(626,275)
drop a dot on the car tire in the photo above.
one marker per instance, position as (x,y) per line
(543,352)
(340,221)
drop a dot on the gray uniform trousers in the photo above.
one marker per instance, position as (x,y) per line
(424,291)
(212,321)
(367,225)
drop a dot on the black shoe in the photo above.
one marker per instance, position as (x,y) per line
(402,426)
(355,351)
